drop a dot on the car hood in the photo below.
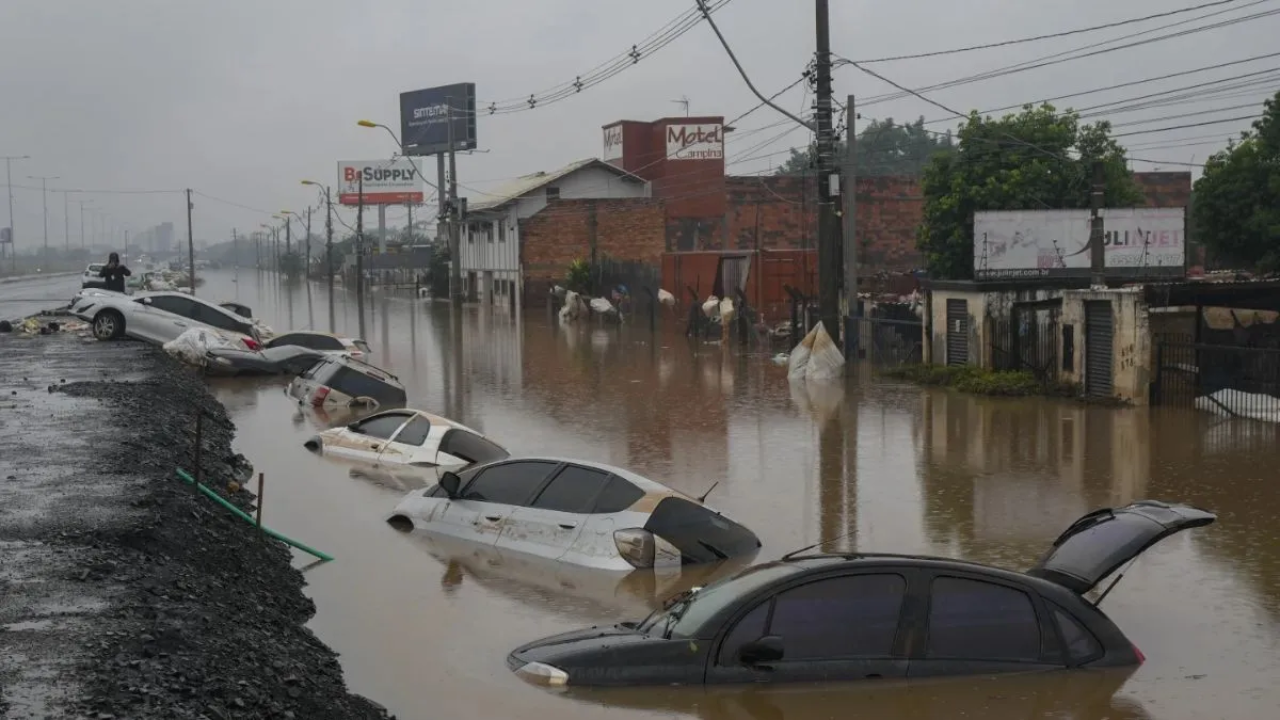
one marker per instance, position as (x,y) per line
(1097,544)
(561,650)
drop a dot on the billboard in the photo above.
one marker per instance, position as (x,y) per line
(612,143)
(386,182)
(424,119)
(695,142)
(1028,244)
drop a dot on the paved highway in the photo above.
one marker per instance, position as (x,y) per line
(21,298)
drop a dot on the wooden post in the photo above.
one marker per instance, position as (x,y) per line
(258,512)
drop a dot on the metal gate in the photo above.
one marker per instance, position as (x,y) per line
(1098,357)
(957,332)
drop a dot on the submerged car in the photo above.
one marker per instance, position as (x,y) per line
(342,381)
(286,360)
(837,617)
(408,437)
(323,342)
(157,317)
(576,512)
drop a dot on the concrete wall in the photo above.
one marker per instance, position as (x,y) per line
(984,307)
(1131,344)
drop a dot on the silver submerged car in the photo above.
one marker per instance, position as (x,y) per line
(158,317)
(576,512)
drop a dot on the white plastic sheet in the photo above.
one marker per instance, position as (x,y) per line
(190,347)
(711,308)
(666,298)
(727,312)
(601,306)
(573,308)
(1237,403)
(816,358)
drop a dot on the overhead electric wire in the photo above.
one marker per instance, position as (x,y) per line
(1050,36)
(1058,58)
(1188,125)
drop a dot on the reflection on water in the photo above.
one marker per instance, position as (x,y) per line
(871,465)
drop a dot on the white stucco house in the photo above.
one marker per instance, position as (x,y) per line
(490,242)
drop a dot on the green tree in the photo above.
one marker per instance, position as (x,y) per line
(1033,160)
(1237,199)
(884,148)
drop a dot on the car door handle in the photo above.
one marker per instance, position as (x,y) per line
(179,323)
(568,526)
(375,447)
(493,518)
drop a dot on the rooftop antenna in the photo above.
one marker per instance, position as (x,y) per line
(683,101)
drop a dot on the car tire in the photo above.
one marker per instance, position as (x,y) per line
(108,325)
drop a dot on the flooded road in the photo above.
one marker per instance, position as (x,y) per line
(424,627)
(26,296)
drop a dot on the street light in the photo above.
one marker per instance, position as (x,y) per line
(8,177)
(82,204)
(44,192)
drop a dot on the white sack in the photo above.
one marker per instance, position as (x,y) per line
(601,306)
(711,308)
(666,298)
(573,307)
(727,313)
(816,358)
(190,347)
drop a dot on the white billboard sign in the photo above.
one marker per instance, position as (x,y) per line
(386,182)
(695,142)
(1055,243)
(613,143)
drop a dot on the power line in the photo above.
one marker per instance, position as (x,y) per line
(1036,38)
(1188,125)
(1058,58)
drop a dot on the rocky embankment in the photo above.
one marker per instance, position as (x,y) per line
(124,593)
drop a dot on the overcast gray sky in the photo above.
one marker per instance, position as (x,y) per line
(241,99)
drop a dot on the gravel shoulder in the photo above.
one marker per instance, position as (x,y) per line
(123,592)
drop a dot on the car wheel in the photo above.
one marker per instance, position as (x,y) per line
(108,325)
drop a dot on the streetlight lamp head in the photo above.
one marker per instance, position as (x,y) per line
(310,182)
(367,123)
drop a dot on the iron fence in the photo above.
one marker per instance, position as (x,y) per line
(1222,379)
(890,341)
(1026,343)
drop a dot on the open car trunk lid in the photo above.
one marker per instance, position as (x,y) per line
(1097,544)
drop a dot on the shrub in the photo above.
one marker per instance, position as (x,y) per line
(972,379)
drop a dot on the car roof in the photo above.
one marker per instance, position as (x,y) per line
(322,333)
(639,481)
(434,419)
(358,365)
(873,559)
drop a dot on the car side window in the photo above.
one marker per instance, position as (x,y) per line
(848,616)
(324,342)
(416,432)
(749,629)
(381,427)
(618,495)
(471,447)
(978,620)
(509,483)
(286,339)
(1081,645)
(213,318)
(573,490)
(175,305)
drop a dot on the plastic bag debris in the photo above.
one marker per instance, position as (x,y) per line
(601,306)
(559,291)
(1238,403)
(666,298)
(727,313)
(816,358)
(192,345)
(711,308)
(574,307)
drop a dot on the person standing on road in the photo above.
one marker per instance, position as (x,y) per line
(114,273)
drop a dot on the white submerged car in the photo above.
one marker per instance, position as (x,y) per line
(158,317)
(576,512)
(408,438)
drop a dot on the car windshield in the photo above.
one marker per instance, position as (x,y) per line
(685,614)
(95,268)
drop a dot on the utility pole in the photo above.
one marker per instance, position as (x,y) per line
(382,229)
(849,211)
(1097,253)
(455,249)
(829,262)
(408,228)
(81,224)
(191,245)
(328,246)
(306,266)
(235,250)
(13,236)
(66,220)
(442,226)
(360,253)
(44,193)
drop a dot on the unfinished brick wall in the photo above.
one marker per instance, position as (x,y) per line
(626,230)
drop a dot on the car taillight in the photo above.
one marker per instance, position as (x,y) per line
(321,394)
(636,546)
(252,344)
(1141,658)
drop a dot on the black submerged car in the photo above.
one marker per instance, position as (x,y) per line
(815,617)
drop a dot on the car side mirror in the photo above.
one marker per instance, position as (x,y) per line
(766,649)
(146,301)
(354,427)
(450,483)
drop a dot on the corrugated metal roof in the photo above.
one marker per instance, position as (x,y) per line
(526,184)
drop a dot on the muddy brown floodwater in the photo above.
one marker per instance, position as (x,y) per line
(424,627)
